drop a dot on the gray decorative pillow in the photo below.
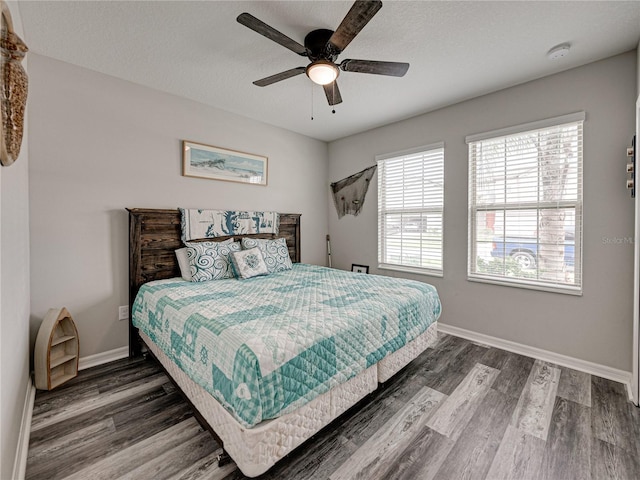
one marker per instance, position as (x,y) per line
(275,252)
(210,260)
(249,263)
(183,263)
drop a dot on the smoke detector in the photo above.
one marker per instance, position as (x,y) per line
(559,51)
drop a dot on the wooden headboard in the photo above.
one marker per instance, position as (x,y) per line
(154,235)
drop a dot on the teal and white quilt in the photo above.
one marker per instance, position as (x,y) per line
(267,345)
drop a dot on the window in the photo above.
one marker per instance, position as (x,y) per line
(525,205)
(410,207)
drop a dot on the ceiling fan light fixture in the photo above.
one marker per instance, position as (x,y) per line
(322,72)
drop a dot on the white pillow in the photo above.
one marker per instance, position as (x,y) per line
(248,263)
(183,260)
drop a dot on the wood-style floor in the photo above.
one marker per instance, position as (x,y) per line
(460,411)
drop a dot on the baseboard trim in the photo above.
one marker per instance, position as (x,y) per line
(102,358)
(582,365)
(22,450)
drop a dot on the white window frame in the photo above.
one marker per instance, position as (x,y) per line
(382,264)
(472,275)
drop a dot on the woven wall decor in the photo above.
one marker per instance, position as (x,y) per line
(13,89)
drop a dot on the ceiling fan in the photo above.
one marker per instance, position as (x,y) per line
(323,46)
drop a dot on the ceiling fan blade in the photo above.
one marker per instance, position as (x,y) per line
(394,69)
(271,33)
(361,12)
(332,92)
(263,82)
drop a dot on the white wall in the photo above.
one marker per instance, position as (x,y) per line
(100,144)
(635,379)
(595,327)
(14,292)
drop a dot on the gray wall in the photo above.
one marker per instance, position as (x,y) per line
(595,327)
(98,145)
(14,292)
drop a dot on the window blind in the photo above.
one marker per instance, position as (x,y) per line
(525,208)
(410,210)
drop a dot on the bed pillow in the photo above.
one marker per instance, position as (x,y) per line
(183,260)
(210,260)
(275,252)
(249,263)
(183,263)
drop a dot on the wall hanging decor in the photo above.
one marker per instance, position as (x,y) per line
(206,161)
(13,89)
(631,167)
(349,193)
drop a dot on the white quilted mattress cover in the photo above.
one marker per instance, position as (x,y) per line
(257,449)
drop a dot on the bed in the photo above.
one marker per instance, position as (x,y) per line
(269,361)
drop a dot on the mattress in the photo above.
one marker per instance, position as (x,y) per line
(266,346)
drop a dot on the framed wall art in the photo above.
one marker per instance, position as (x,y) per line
(206,161)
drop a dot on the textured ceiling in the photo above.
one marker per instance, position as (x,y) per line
(457,50)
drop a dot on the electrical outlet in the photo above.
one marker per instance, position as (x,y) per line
(123,312)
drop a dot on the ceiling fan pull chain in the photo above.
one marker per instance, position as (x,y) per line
(311,101)
(333,86)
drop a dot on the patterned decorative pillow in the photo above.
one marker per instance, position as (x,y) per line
(249,263)
(275,252)
(183,260)
(210,260)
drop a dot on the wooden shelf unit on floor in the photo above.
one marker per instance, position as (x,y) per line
(56,350)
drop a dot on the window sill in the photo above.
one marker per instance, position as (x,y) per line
(418,271)
(576,291)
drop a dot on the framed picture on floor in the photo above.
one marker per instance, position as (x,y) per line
(359,268)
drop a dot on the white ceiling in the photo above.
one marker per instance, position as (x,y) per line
(457,50)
